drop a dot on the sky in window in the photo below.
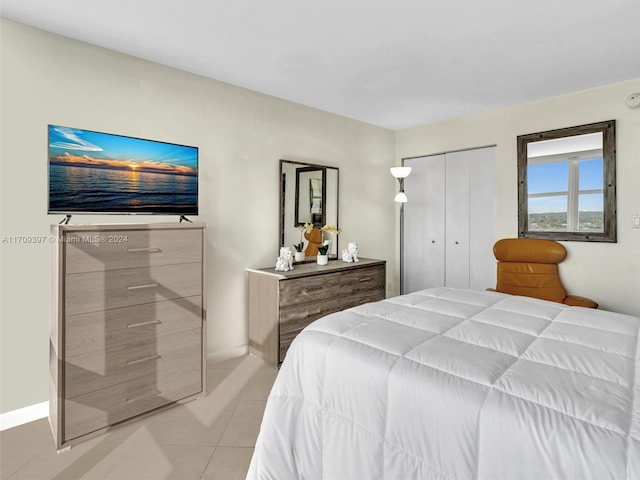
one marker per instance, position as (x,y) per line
(554,177)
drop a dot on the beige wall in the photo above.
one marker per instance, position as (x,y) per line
(608,273)
(241,135)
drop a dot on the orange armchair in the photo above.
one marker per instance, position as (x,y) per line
(529,267)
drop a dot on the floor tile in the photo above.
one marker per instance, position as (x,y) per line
(211,437)
(229,463)
(91,460)
(20,444)
(244,425)
(153,461)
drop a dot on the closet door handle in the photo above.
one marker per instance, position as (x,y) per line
(145,249)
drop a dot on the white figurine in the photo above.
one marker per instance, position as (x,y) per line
(351,253)
(284,262)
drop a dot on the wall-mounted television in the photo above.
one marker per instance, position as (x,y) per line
(93,173)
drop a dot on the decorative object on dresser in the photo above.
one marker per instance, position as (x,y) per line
(284,262)
(128,323)
(282,304)
(351,253)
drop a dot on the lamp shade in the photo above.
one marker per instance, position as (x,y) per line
(400,172)
(401,197)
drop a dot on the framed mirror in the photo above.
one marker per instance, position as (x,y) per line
(311,193)
(308,194)
(567,184)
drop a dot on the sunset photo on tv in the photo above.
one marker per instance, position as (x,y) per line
(93,172)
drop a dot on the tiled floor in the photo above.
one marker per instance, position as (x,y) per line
(210,438)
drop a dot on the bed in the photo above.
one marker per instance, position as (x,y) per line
(456,384)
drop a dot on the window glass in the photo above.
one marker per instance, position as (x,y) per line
(591,214)
(548,177)
(548,213)
(591,174)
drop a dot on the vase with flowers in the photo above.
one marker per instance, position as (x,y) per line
(323,249)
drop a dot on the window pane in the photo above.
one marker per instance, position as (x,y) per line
(591,217)
(548,213)
(548,177)
(591,174)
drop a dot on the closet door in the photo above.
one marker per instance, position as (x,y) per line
(470,219)
(457,238)
(423,248)
(482,218)
(448,228)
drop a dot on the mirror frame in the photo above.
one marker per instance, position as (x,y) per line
(296,221)
(313,166)
(609,234)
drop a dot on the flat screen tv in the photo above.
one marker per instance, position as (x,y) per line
(93,173)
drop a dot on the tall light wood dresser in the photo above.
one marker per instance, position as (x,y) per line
(281,304)
(128,323)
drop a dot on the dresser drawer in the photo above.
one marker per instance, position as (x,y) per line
(95,291)
(113,250)
(107,329)
(104,368)
(309,289)
(362,285)
(96,410)
(294,318)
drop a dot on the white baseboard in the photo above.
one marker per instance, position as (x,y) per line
(24,415)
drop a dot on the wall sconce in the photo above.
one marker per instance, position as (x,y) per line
(400,173)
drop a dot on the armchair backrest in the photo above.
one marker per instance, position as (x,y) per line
(529,267)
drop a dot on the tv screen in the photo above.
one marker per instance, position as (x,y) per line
(93,172)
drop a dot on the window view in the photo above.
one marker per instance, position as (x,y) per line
(566,195)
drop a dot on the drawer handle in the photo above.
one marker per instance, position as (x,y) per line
(142,324)
(365,279)
(140,397)
(138,287)
(141,360)
(307,291)
(144,249)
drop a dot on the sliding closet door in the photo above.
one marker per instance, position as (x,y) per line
(448,228)
(482,218)
(457,220)
(423,247)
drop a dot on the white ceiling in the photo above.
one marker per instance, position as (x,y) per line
(392,63)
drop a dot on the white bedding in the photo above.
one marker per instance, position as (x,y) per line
(456,384)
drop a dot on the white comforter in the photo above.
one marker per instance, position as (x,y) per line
(456,384)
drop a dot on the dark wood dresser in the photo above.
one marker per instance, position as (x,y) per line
(281,304)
